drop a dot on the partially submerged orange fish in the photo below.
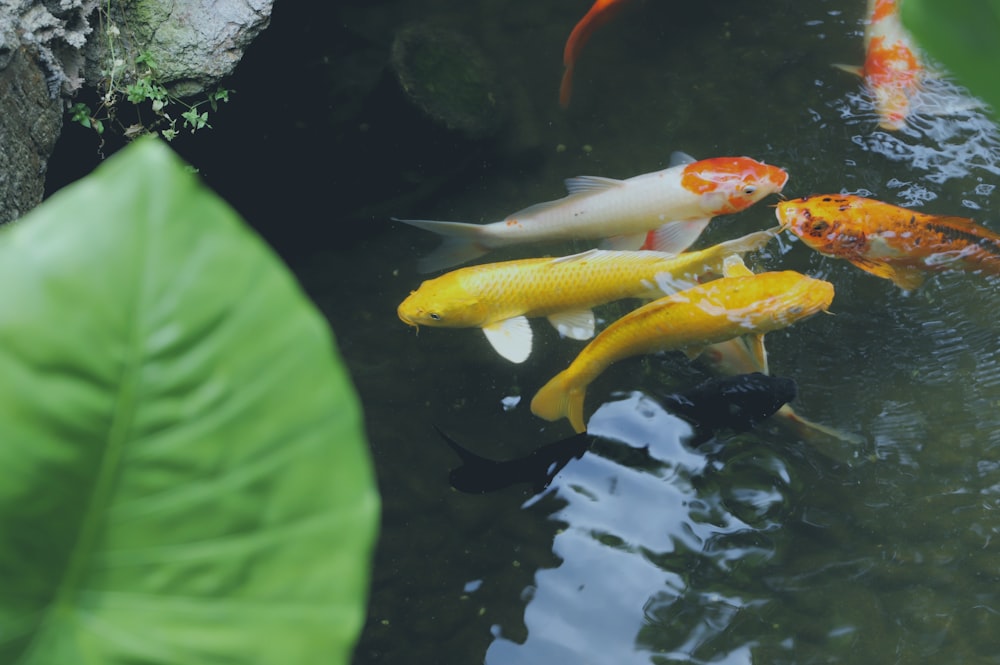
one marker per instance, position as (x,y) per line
(739,304)
(500,297)
(893,70)
(888,241)
(600,13)
(677,202)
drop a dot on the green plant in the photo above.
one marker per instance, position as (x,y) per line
(135,78)
(185,476)
(964,35)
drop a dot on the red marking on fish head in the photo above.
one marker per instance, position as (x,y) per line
(731,184)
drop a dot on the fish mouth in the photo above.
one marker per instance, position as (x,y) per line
(786,214)
(407,319)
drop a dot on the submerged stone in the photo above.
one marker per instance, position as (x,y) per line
(447,78)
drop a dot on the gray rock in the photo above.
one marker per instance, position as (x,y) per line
(40,44)
(30,122)
(50,48)
(194,43)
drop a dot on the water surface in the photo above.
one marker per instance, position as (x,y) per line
(761,547)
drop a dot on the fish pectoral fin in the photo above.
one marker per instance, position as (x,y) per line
(576,324)
(805,426)
(510,338)
(632,242)
(693,352)
(907,278)
(588,184)
(759,352)
(675,237)
(733,266)
(857,70)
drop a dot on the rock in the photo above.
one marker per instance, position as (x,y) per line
(37,41)
(449,80)
(195,43)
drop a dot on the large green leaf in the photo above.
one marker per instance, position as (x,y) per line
(184,475)
(965,36)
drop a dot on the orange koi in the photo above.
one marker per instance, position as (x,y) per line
(600,13)
(893,71)
(888,241)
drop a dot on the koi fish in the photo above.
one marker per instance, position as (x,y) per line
(888,241)
(678,202)
(600,13)
(893,71)
(735,403)
(741,303)
(500,297)
(479,475)
(736,357)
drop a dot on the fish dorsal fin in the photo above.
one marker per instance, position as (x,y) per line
(963,222)
(759,353)
(675,237)
(511,338)
(532,210)
(631,242)
(678,158)
(575,324)
(614,256)
(588,184)
(857,70)
(907,278)
(733,266)
(582,185)
(588,255)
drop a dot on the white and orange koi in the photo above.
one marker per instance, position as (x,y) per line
(500,297)
(740,303)
(677,202)
(893,69)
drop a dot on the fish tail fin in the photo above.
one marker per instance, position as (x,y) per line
(561,398)
(462,242)
(464,454)
(806,426)
(566,87)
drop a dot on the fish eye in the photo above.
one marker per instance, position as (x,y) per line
(819,226)
(749,190)
(434,315)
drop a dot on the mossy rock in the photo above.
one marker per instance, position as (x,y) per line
(449,80)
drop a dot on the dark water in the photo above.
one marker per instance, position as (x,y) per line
(762,548)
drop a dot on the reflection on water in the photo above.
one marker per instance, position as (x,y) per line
(761,547)
(947,136)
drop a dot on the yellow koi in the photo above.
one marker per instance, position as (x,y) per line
(500,297)
(735,305)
